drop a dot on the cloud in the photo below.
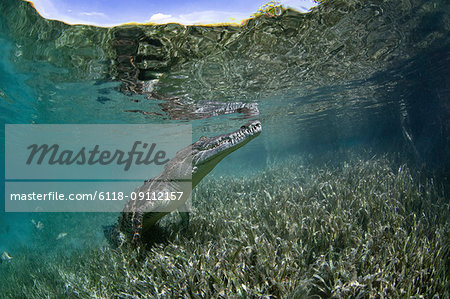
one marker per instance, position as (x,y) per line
(160,17)
(48,10)
(200,17)
(93,14)
(299,5)
(45,8)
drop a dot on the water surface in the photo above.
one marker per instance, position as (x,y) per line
(350,82)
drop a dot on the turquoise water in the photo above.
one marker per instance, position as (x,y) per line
(382,91)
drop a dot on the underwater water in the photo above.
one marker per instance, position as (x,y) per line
(345,193)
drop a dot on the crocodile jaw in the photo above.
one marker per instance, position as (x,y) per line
(208,152)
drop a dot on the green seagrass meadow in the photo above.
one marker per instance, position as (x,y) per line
(358,229)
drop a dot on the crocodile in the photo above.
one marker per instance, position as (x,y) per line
(191,165)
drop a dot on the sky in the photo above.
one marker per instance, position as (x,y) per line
(188,12)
